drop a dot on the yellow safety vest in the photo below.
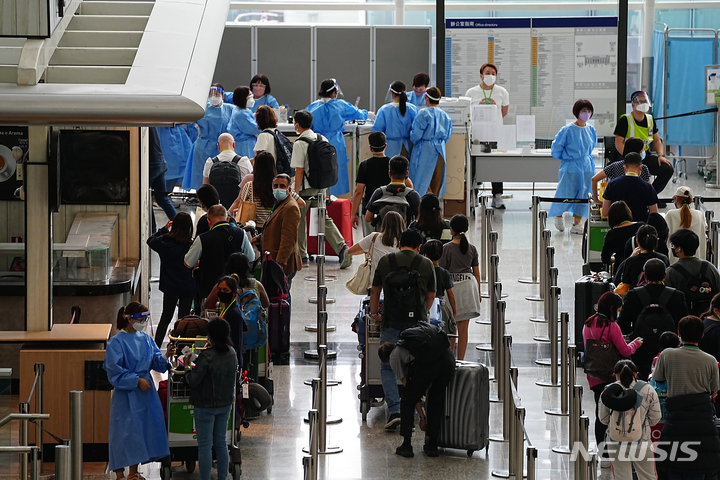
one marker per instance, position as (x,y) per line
(635,130)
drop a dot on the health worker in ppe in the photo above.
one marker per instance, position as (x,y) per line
(214,122)
(640,124)
(395,120)
(242,125)
(137,433)
(430,132)
(490,93)
(261,92)
(573,146)
(176,147)
(419,85)
(329,117)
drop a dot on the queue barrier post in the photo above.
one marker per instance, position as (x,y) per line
(510,429)
(564,369)
(544,242)
(573,419)
(534,243)
(581,464)
(505,387)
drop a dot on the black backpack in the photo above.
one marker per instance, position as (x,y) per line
(274,280)
(322,163)
(226,178)
(698,290)
(392,202)
(425,342)
(283,152)
(654,320)
(402,304)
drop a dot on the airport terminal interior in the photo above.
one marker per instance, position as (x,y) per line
(89,88)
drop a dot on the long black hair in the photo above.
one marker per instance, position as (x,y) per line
(430,220)
(647,238)
(398,88)
(219,331)
(607,307)
(123,317)
(459,224)
(627,371)
(264,171)
(239,264)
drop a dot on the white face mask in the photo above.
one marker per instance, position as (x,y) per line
(643,107)
(140,326)
(250,102)
(216,101)
(489,80)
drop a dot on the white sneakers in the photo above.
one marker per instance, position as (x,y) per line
(560,223)
(577,229)
(497,201)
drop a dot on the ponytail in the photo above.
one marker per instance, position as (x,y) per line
(403,103)
(122,320)
(685,214)
(627,371)
(123,316)
(647,238)
(459,224)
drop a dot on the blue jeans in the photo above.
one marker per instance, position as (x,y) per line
(389,380)
(211,426)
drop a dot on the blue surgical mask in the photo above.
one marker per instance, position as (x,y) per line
(642,154)
(280,194)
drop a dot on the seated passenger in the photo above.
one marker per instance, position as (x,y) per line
(685,217)
(622,228)
(615,169)
(639,195)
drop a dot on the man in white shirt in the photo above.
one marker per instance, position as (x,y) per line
(488,93)
(226,145)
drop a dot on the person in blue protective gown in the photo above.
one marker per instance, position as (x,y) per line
(395,120)
(573,146)
(430,132)
(329,117)
(261,92)
(137,432)
(242,125)
(419,85)
(176,146)
(214,122)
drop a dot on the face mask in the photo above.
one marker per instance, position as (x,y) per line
(489,80)
(643,107)
(216,101)
(673,252)
(280,194)
(585,116)
(642,154)
(251,102)
(225,297)
(140,326)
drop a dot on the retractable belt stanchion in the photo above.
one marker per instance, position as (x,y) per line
(714,240)
(321,406)
(534,243)
(581,465)
(544,243)
(321,299)
(500,363)
(504,386)
(510,428)
(485,227)
(552,335)
(551,274)
(493,262)
(573,418)
(531,455)
(492,250)
(564,368)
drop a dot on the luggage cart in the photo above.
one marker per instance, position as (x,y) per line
(182,437)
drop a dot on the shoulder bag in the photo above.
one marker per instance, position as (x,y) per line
(360,282)
(600,358)
(248,208)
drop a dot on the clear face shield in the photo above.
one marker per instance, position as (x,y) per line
(641,101)
(215,97)
(337,88)
(389,94)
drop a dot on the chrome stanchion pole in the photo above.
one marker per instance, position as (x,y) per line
(39,394)
(520,443)
(552,278)
(544,242)
(76,435)
(493,262)
(485,226)
(24,408)
(62,462)
(34,463)
(503,385)
(497,340)
(534,245)
(573,420)
(531,456)
(492,250)
(592,466)
(550,281)
(323,449)
(509,428)
(552,335)
(714,227)
(581,465)
(564,368)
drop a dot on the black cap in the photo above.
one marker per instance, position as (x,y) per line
(377,140)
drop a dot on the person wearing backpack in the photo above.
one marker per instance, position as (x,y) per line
(226,170)
(697,278)
(393,197)
(422,360)
(306,154)
(407,280)
(639,298)
(601,330)
(630,271)
(629,407)
(273,141)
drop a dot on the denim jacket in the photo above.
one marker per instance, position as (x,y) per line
(213,379)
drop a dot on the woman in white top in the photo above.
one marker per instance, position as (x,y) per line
(488,93)
(617,397)
(383,242)
(686,217)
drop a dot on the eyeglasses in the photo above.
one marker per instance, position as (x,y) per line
(258,85)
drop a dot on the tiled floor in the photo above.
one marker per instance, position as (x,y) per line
(272,445)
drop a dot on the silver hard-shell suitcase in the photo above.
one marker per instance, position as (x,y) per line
(466,423)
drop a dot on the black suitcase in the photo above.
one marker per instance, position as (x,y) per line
(588,290)
(279,331)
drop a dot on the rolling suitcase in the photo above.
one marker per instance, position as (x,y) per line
(279,331)
(588,290)
(339,212)
(466,423)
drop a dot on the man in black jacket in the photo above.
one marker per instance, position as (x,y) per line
(655,274)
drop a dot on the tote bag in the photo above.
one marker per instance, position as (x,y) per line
(360,282)
(600,358)
(248,208)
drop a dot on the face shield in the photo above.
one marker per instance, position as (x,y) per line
(337,88)
(216,96)
(388,95)
(641,101)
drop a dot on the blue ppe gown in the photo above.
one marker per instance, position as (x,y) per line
(396,127)
(176,146)
(573,146)
(211,125)
(328,120)
(192,130)
(137,432)
(431,130)
(244,129)
(418,101)
(268,100)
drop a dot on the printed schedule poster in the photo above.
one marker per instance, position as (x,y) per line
(544,63)
(13,153)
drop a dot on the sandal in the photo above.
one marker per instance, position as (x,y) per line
(136,476)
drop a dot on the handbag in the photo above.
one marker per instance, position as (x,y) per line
(247,209)
(360,282)
(600,358)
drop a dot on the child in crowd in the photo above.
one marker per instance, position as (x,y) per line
(433,250)
(460,258)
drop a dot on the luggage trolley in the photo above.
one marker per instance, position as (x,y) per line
(182,437)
